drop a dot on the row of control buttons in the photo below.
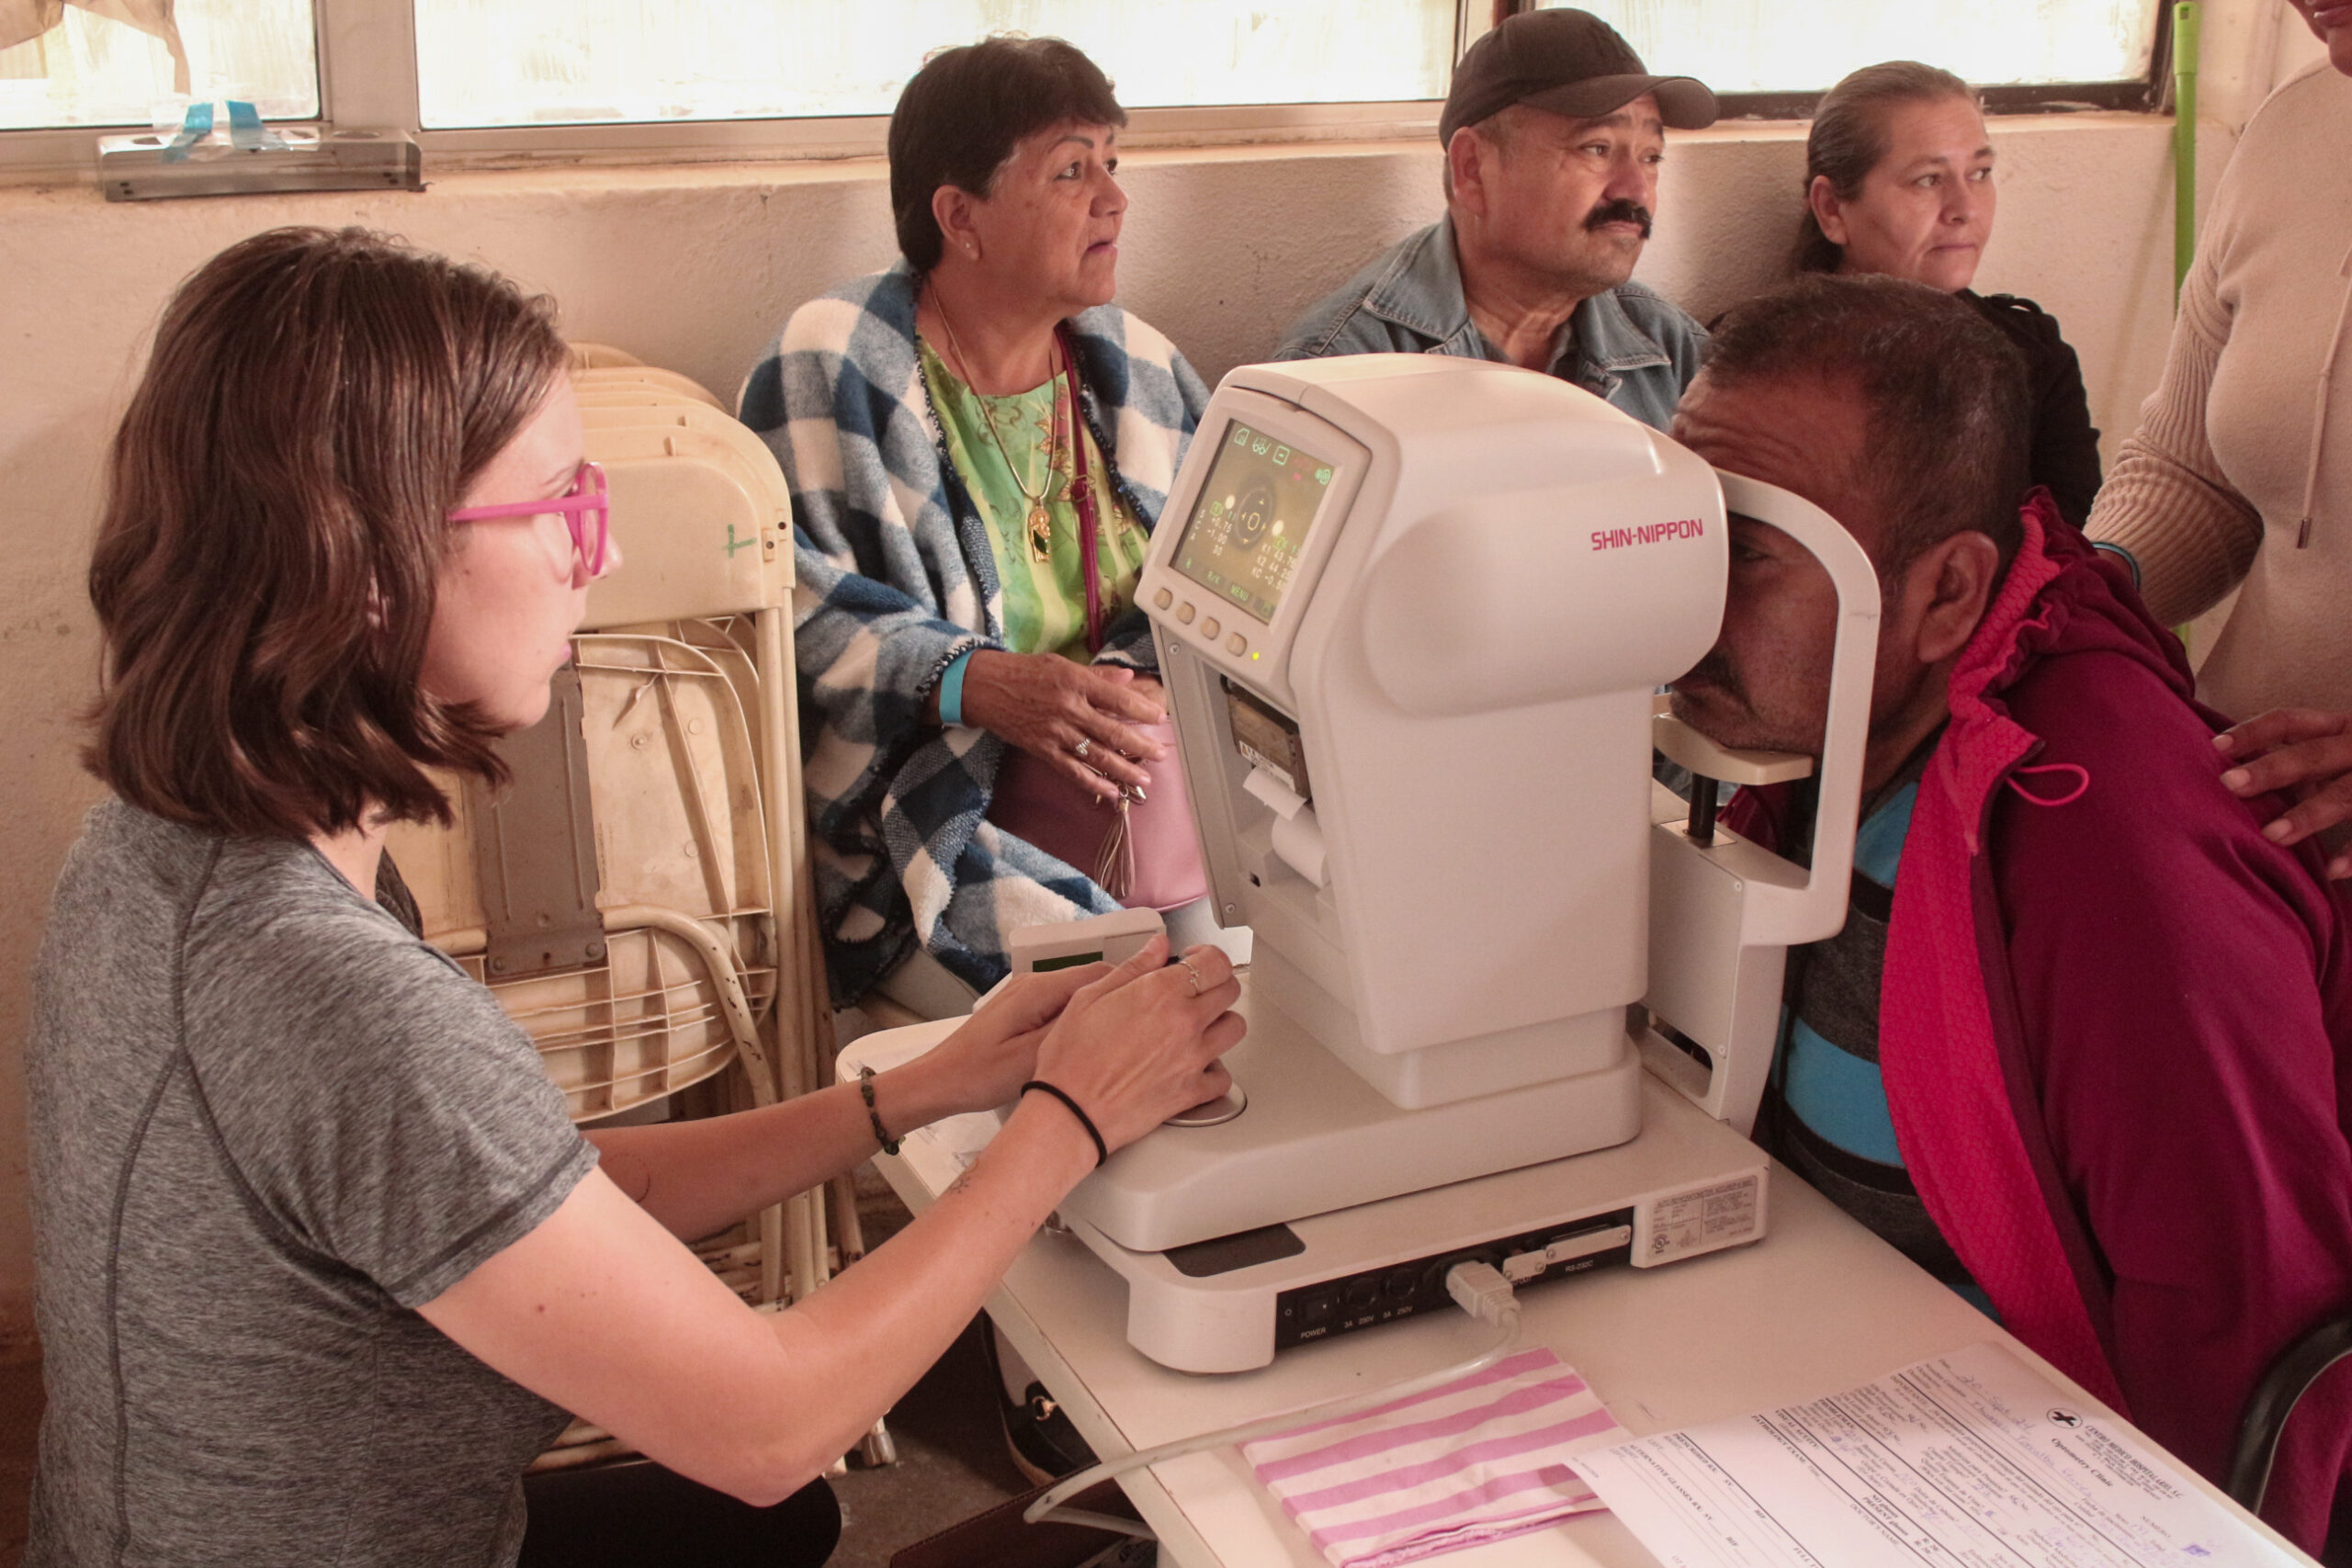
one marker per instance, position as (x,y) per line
(1236,645)
(1360,1296)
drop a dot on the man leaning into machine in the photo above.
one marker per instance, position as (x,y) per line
(1552,135)
(2079,1048)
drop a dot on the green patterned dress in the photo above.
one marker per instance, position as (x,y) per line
(1045,594)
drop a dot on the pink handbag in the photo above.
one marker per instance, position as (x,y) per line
(1144,853)
(1142,850)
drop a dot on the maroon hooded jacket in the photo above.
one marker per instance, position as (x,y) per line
(2116,1025)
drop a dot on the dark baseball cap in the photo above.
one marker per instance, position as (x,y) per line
(1570,62)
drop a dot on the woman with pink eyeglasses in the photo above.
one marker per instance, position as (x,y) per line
(322,1260)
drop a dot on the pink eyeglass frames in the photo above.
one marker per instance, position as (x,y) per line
(585,513)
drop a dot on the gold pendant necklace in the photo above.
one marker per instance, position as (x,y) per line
(1040,521)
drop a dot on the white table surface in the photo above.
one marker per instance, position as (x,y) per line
(1818,1306)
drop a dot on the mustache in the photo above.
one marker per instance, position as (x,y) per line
(1715,670)
(1620,210)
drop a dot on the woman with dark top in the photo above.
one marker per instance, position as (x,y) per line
(322,1260)
(973,436)
(1899,180)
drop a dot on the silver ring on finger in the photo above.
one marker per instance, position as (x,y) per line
(1190,970)
(1081,748)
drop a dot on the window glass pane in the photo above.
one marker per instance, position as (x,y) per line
(141,61)
(1775,45)
(483,63)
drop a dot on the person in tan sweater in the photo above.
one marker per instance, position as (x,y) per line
(2240,474)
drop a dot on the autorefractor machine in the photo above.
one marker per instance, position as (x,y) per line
(1413,614)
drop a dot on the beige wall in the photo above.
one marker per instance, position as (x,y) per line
(694,268)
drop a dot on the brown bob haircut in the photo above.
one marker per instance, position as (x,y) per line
(276,522)
(959,118)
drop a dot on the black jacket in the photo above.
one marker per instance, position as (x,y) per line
(2066,447)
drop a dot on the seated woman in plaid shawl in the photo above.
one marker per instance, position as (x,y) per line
(951,428)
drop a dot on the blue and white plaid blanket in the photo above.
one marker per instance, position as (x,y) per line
(896,578)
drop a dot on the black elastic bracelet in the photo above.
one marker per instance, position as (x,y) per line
(1102,1152)
(2128,559)
(865,1092)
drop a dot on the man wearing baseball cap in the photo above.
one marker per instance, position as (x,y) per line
(1552,134)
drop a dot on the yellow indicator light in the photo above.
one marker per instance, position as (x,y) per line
(1256,655)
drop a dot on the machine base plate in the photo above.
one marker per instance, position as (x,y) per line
(1686,1186)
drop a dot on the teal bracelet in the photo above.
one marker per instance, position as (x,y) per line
(951,688)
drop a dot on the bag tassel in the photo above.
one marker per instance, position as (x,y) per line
(1115,868)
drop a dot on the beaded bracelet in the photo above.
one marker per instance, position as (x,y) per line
(873,1118)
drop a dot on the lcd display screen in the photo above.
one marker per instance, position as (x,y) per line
(1250,525)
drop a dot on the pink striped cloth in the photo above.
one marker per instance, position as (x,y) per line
(1472,1461)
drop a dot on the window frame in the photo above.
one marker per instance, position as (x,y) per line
(367,78)
(846,136)
(2035,98)
(2151,96)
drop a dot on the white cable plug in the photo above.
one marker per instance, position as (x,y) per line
(1479,1289)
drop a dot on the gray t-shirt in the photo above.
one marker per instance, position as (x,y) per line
(267,1123)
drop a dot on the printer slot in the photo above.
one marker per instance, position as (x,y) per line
(1268,741)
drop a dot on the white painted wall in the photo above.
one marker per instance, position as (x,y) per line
(2296,46)
(694,268)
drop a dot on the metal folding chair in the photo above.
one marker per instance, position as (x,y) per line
(2275,1396)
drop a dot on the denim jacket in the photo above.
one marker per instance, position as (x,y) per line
(1628,345)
